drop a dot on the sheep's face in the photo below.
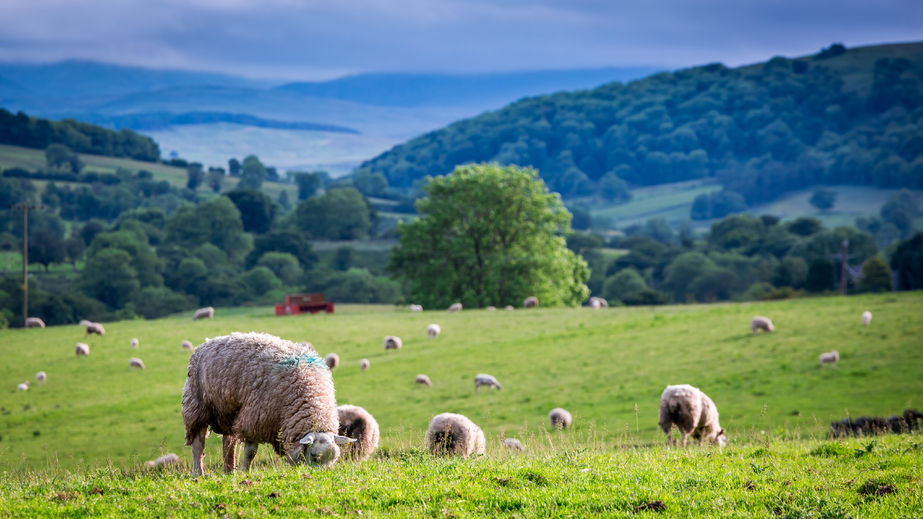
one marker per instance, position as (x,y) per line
(319,448)
(720,439)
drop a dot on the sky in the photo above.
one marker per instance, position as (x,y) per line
(322,39)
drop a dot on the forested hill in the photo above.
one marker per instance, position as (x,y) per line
(840,116)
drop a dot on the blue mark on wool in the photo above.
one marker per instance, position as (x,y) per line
(307,358)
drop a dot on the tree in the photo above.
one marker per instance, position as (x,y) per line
(821,276)
(900,210)
(338,214)
(260,280)
(109,277)
(234,167)
(284,240)
(876,276)
(252,172)
(489,235)
(907,262)
(370,184)
(59,156)
(624,284)
(194,175)
(823,199)
(257,210)
(283,265)
(790,272)
(308,184)
(343,258)
(682,270)
(613,188)
(215,179)
(215,221)
(46,247)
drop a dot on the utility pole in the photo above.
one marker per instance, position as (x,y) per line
(844,247)
(25,257)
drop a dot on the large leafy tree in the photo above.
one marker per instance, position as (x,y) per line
(216,221)
(339,214)
(489,235)
(257,210)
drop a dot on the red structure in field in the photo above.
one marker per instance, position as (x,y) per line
(303,304)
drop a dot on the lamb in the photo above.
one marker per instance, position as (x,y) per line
(204,313)
(416,308)
(761,323)
(22,387)
(433,331)
(692,412)
(135,362)
(34,322)
(358,424)
(95,328)
(82,349)
(332,360)
(393,343)
(560,418)
(530,302)
(455,307)
(454,434)
(423,379)
(134,344)
(364,364)
(830,357)
(483,379)
(289,401)
(163,461)
(186,345)
(41,376)
(866,318)
(513,444)
(598,302)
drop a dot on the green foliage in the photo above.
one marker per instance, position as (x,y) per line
(59,156)
(356,285)
(283,240)
(680,273)
(144,262)
(623,285)
(110,277)
(823,199)
(257,210)
(489,235)
(283,265)
(821,275)
(343,258)
(370,184)
(260,280)
(308,184)
(338,214)
(738,232)
(805,226)
(876,276)
(900,210)
(154,302)
(907,263)
(216,221)
(194,175)
(791,272)
(717,205)
(252,172)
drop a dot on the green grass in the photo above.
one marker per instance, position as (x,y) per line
(670,201)
(851,203)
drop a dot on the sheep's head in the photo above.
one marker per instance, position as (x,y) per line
(720,439)
(318,448)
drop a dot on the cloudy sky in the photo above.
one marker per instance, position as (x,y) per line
(316,39)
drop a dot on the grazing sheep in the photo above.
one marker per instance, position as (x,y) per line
(454,434)
(135,362)
(830,357)
(84,323)
(560,418)
(82,349)
(134,344)
(95,328)
(186,345)
(287,401)
(22,387)
(416,308)
(34,322)
(433,331)
(455,307)
(866,318)
(332,360)
(41,376)
(163,461)
(204,313)
(393,343)
(598,302)
(692,412)
(358,424)
(761,323)
(530,302)
(423,379)
(513,444)
(508,308)
(483,379)
(491,308)
(364,364)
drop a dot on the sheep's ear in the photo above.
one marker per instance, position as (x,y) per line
(343,440)
(720,433)
(308,439)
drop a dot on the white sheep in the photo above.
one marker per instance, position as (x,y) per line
(82,349)
(454,434)
(830,357)
(509,308)
(483,379)
(416,308)
(134,344)
(96,328)
(692,412)
(866,318)
(455,307)
(530,302)
(513,444)
(163,461)
(393,343)
(360,425)
(34,322)
(491,308)
(84,323)
(423,380)
(560,418)
(186,345)
(598,302)
(761,323)
(288,400)
(332,360)
(364,364)
(41,377)
(135,362)
(22,387)
(433,331)
(204,313)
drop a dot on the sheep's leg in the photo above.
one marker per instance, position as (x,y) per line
(198,453)
(229,451)
(249,454)
(685,438)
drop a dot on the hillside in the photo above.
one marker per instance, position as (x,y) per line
(837,117)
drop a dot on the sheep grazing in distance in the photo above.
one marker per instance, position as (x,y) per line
(22,387)
(560,418)
(530,302)
(455,307)
(483,379)
(135,362)
(360,425)
(692,412)
(84,323)
(332,360)
(287,401)
(163,461)
(761,323)
(95,328)
(393,343)
(598,302)
(830,357)
(364,364)
(82,349)
(513,444)
(186,345)
(41,377)
(134,344)
(508,308)
(423,380)
(34,322)
(433,331)
(204,313)
(866,318)
(454,434)
(491,308)
(416,308)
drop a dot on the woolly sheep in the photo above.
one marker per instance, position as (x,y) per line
(82,349)
(288,402)
(692,412)
(761,323)
(598,302)
(135,362)
(508,308)
(134,344)
(433,330)
(393,343)
(364,364)
(423,379)
(830,357)
(483,379)
(866,318)
(455,307)
(186,345)
(513,444)
(454,434)
(560,418)
(84,323)
(530,302)
(204,313)
(163,461)
(41,376)
(491,308)
(22,387)
(360,425)
(332,360)
(34,322)
(95,328)
(416,308)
